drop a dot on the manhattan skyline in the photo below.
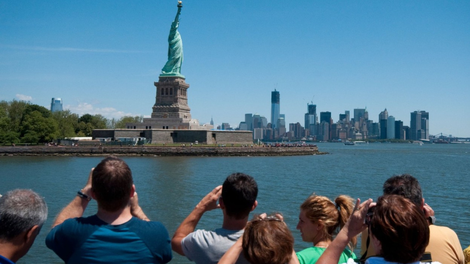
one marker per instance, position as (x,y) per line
(103,57)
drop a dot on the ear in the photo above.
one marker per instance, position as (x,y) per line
(254,206)
(132,190)
(376,245)
(93,194)
(31,234)
(320,224)
(422,204)
(221,203)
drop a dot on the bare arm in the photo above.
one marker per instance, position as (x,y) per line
(353,227)
(294,259)
(77,206)
(232,254)
(209,202)
(136,210)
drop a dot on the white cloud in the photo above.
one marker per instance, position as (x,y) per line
(23,97)
(70,49)
(108,112)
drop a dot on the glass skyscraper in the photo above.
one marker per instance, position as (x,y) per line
(275,108)
(419,125)
(56,105)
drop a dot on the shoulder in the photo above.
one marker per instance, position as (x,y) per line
(442,229)
(310,255)
(312,250)
(63,239)
(147,229)
(441,232)
(4,260)
(141,223)
(202,246)
(199,235)
(73,225)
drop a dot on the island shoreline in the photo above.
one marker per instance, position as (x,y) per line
(133,151)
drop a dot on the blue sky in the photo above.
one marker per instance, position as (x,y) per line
(102,57)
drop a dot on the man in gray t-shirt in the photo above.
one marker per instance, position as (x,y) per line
(237,198)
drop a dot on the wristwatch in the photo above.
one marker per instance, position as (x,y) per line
(82,195)
(432,220)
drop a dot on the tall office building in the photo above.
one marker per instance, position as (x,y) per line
(383,114)
(249,121)
(56,105)
(383,128)
(282,121)
(399,133)
(325,117)
(390,127)
(311,118)
(419,125)
(275,108)
(325,125)
(257,121)
(358,114)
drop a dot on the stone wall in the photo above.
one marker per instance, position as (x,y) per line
(158,136)
(156,151)
(128,133)
(102,133)
(230,137)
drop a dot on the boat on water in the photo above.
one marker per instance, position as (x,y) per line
(349,143)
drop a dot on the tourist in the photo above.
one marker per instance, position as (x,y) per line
(237,198)
(267,240)
(22,214)
(119,232)
(319,219)
(399,232)
(444,244)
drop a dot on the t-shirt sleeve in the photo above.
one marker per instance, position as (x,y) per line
(456,246)
(58,241)
(157,239)
(300,257)
(190,245)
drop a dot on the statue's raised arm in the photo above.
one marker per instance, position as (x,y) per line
(177,18)
(175,48)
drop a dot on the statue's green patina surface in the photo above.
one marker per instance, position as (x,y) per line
(175,49)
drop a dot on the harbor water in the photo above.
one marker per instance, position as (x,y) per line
(170,187)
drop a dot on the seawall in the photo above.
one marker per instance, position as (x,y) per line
(87,151)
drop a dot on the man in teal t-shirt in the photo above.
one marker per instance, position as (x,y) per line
(119,232)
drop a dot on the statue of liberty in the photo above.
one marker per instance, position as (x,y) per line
(175,49)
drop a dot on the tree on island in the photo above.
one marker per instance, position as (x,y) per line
(121,123)
(22,121)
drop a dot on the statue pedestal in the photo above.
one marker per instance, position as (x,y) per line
(171,110)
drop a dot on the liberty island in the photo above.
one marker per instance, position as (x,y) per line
(171,120)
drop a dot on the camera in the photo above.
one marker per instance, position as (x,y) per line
(369,215)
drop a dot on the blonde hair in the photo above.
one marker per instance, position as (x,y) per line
(333,216)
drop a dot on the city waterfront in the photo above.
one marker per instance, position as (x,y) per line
(169,187)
